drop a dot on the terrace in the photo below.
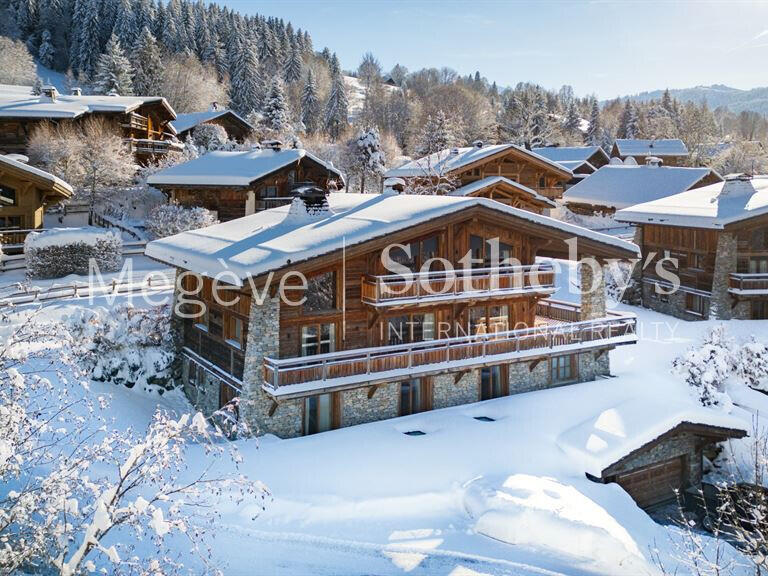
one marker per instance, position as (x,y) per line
(558,330)
(748,284)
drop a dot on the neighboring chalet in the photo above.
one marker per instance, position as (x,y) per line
(367,344)
(719,236)
(618,186)
(143,122)
(672,151)
(459,167)
(236,184)
(25,191)
(236,127)
(580,160)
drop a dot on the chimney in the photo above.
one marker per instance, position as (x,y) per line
(77,91)
(454,151)
(275,145)
(653,161)
(310,202)
(50,93)
(478,144)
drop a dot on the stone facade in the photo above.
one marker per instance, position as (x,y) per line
(447,392)
(669,304)
(592,300)
(523,379)
(358,408)
(682,444)
(725,264)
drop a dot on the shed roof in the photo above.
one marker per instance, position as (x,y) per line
(53,183)
(190,120)
(661,148)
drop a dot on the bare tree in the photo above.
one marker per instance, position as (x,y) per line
(16,63)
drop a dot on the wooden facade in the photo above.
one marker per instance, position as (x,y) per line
(510,193)
(270,191)
(24,194)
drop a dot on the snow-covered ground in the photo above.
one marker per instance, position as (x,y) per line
(469,497)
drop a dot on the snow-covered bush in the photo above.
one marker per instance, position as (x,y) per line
(752,364)
(125,345)
(210,137)
(707,367)
(171,219)
(62,251)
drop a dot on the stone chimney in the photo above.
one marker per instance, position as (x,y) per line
(77,91)
(49,93)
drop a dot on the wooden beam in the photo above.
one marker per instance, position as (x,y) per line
(272,408)
(374,318)
(532,365)
(459,375)
(372,390)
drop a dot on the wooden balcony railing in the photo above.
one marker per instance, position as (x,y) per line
(454,285)
(348,368)
(551,193)
(147,146)
(748,284)
(136,122)
(272,202)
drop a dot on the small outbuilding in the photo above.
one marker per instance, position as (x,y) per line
(237,127)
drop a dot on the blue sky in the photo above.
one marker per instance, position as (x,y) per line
(607,48)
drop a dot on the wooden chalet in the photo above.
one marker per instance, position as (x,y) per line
(359,343)
(718,236)
(235,184)
(143,122)
(671,151)
(237,128)
(25,191)
(582,161)
(460,167)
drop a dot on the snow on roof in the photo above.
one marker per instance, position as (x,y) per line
(452,159)
(47,176)
(62,236)
(620,186)
(666,147)
(223,168)
(714,206)
(19,102)
(271,239)
(474,187)
(618,430)
(573,165)
(185,122)
(562,154)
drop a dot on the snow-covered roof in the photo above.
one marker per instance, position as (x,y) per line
(272,239)
(19,102)
(53,181)
(574,165)
(222,168)
(484,183)
(620,186)
(187,121)
(453,159)
(561,154)
(617,431)
(665,147)
(714,206)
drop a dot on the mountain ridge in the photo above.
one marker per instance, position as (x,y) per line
(734,99)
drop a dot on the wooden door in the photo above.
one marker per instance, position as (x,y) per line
(654,484)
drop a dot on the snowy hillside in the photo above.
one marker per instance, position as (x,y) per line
(716,95)
(356,95)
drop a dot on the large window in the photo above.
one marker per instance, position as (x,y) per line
(760,310)
(321,293)
(414,396)
(420,252)
(408,328)
(492,382)
(318,413)
(7,196)
(488,319)
(694,304)
(758,265)
(318,339)
(16,222)
(484,252)
(563,369)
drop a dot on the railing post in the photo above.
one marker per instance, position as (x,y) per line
(368,363)
(275,378)
(325,370)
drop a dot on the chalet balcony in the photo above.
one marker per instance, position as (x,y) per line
(748,284)
(402,290)
(136,122)
(296,377)
(147,146)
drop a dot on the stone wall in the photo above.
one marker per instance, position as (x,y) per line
(523,379)
(357,408)
(725,264)
(592,301)
(446,392)
(670,304)
(683,444)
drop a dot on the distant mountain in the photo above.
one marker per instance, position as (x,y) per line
(716,95)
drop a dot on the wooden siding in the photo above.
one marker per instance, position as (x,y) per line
(694,248)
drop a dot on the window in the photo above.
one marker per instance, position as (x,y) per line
(270,191)
(236,331)
(318,414)
(542,182)
(318,339)
(694,304)
(758,265)
(408,328)
(7,196)
(11,222)
(760,310)
(484,252)
(488,319)
(414,396)
(758,239)
(421,251)
(321,293)
(214,322)
(492,382)
(697,261)
(563,369)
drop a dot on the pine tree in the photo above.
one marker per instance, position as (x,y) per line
(310,105)
(147,65)
(246,84)
(275,111)
(628,123)
(125,24)
(337,107)
(572,124)
(437,135)
(46,52)
(594,136)
(666,102)
(114,72)
(89,39)
(367,155)
(292,69)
